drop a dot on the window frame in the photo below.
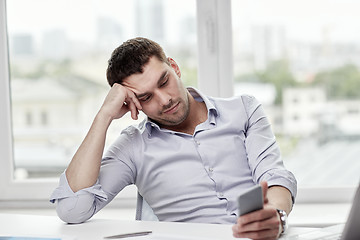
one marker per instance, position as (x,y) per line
(214,31)
(215,77)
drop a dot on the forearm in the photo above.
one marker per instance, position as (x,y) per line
(280,197)
(84,168)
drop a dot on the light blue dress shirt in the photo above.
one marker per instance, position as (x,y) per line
(187,178)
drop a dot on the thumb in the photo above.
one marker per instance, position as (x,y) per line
(264,187)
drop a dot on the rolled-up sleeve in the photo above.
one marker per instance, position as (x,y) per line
(263,151)
(116,172)
(77,207)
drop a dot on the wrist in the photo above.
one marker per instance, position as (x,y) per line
(104,116)
(283,220)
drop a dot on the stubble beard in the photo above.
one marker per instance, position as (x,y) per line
(184,110)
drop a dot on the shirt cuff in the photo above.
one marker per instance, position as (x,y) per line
(64,190)
(282,178)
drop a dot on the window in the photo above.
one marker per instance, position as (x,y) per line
(274,49)
(60,63)
(308,51)
(55,57)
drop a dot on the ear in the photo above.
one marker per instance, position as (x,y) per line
(174,65)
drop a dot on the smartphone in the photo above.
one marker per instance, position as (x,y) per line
(251,200)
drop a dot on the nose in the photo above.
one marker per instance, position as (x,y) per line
(163,98)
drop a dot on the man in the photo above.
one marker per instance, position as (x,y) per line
(190,158)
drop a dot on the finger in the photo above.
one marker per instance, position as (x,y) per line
(136,102)
(259,215)
(133,98)
(128,94)
(134,111)
(269,238)
(270,223)
(235,230)
(257,235)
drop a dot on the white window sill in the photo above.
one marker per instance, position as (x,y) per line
(319,215)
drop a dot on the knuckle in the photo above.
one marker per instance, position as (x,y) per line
(277,221)
(258,225)
(263,214)
(235,228)
(274,211)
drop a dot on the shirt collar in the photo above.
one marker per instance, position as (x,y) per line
(198,96)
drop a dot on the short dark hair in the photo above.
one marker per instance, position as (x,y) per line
(130,57)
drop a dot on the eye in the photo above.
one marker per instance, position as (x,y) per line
(145,98)
(164,82)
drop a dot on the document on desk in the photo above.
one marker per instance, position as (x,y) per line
(33,238)
(155,236)
(27,238)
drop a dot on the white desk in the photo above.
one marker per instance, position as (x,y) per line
(51,226)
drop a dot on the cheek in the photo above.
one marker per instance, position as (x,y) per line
(175,91)
(149,109)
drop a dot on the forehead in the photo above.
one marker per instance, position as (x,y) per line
(143,82)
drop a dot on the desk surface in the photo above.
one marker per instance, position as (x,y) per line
(50,226)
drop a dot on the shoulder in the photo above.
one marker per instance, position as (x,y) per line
(131,132)
(250,103)
(244,102)
(129,138)
(134,134)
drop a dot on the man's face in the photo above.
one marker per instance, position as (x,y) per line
(160,91)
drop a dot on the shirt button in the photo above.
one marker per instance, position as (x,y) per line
(198,143)
(221,194)
(211,169)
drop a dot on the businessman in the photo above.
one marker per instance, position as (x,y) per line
(190,158)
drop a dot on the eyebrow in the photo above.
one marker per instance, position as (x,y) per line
(161,78)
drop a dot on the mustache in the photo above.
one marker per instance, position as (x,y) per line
(168,106)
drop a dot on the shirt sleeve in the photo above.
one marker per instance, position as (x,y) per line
(116,172)
(77,207)
(263,151)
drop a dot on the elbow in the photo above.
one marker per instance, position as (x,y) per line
(73,213)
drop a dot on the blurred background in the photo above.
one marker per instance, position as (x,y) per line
(300,59)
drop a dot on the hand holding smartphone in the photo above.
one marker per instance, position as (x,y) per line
(251,200)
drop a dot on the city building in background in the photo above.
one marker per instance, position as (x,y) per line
(301,60)
(58,80)
(308,52)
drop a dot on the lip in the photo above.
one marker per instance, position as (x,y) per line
(172,109)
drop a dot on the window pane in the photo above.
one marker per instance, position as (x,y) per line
(301,60)
(58,58)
